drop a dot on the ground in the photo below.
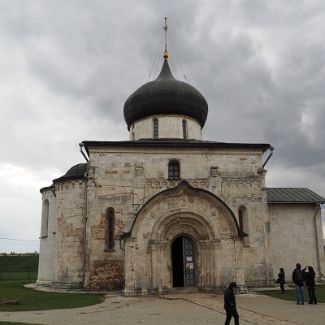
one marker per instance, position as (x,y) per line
(178,308)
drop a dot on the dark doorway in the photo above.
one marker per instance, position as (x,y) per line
(183,262)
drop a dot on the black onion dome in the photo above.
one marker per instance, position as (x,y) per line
(165,95)
(76,171)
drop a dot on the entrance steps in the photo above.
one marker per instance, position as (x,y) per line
(182,290)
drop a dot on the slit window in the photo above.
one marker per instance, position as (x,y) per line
(110,224)
(155,128)
(184,125)
(243,224)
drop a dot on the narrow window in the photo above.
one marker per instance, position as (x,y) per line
(173,169)
(243,223)
(110,224)
(155,128)
(184,124)
(240,215)
(45,218)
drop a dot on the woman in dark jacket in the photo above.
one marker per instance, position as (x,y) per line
(281,279)
(310,284)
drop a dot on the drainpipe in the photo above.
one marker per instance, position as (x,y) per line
(316,239)
(84,233)
(85,218)
(81,145)
(270,155)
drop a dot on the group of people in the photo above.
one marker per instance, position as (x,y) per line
(299,277)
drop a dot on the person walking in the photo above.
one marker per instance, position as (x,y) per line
(281,279)
(230,303)
(298,280)
(310,284)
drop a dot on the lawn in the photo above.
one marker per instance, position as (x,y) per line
(30,299)
(291,294)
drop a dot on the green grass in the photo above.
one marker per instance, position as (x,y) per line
(30,299)
(291,294)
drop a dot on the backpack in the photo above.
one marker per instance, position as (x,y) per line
(299,276)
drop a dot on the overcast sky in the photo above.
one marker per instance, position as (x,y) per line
(67,67)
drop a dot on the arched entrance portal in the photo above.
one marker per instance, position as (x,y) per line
(183,261)
(156,254)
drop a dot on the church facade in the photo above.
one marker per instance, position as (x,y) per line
(167,209)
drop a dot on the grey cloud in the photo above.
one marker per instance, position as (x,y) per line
(68,67)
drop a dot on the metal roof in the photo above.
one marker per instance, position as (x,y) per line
(293,195)
(75,172)
(165,95)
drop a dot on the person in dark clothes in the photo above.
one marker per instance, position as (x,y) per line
(230,303)
(281,279)
(298,280)
(310,284)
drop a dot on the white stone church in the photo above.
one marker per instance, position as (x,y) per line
(168,209)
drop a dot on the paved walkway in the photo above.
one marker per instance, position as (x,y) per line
(186,308)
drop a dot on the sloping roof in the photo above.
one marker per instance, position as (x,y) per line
(75,172)
(293,195)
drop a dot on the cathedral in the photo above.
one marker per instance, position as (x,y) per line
(167,209)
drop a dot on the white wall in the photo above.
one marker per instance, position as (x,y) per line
(293,238)
(170,126)
(47,240)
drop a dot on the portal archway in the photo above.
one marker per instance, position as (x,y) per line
(183,262)
(182,212)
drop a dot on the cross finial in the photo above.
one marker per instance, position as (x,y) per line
(165,29)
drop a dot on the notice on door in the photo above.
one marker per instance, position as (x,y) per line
(189,265)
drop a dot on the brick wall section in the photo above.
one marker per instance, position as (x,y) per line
(106,275)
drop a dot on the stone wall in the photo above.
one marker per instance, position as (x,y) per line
(183,210)
(293,237)
(69,251)
(47,239)
(204,205)
(105,268)
(106,274)
(126,178)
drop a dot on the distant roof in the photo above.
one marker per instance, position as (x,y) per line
(293,195)
(75,172)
